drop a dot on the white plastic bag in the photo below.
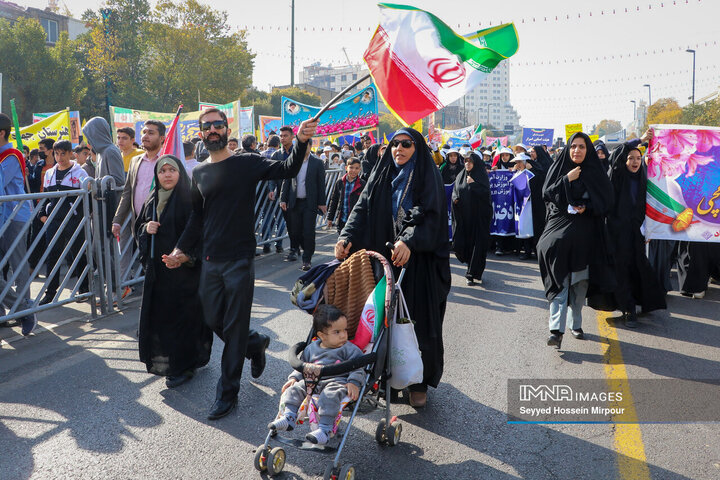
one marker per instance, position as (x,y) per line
(406,366)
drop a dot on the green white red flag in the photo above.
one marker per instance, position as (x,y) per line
(477,139)
(420,65)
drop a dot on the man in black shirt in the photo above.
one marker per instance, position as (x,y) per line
(223,198)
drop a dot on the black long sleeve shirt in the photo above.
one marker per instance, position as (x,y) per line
(223,197)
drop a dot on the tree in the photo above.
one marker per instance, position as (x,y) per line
(664,111)
(191,53)
(291,92)
(607,126)
(387,124)
(26,65)
(707,113)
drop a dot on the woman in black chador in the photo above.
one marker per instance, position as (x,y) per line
(173,338)
(573,251)
(637,282)
(404,203)
(472,216)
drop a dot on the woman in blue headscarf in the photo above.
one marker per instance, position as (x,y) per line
(404,203)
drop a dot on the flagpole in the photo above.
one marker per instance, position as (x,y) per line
(339,96)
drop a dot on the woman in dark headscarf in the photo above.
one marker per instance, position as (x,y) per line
(572,250)
(636,279)
(369,161)
(472,215)
(603,154)
(451,167)
(539,165)
(173,338)
(404,203)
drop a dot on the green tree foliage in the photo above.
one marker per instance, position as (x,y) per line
(607,126)
(707,114)
(387,124)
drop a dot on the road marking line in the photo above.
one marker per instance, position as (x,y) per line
(632,463)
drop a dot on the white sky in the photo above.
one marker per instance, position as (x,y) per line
(544,95)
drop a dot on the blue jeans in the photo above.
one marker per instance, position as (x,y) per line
(569,300)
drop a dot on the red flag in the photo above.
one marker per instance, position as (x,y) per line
(372,138)
(173,140)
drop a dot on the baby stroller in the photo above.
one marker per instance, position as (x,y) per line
(376,365)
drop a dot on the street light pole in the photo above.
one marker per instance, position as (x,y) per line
(634,110)
(649,94)
(292,44)
(690,50)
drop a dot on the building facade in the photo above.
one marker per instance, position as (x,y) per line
(53,23)
(487,104)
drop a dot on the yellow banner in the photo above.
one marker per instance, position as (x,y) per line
(572,128)
(417,126)
(56,127)
(594,138)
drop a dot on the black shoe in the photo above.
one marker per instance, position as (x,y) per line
(631,320)
(469,281)
(579,334)
(499,253)
(306,266)
(221,408)
(266,248)
(525,256)
(278,248)
(176,380)
(258,361)
(555,339)
(47,298)
(291,257)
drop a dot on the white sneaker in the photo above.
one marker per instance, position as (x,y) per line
(318,437)
(698,295)
(282,424)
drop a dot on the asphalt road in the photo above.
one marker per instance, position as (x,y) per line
(76,403)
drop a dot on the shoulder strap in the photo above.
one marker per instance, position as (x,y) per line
(18,154)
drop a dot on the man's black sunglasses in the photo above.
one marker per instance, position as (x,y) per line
(404,143)
(218,124)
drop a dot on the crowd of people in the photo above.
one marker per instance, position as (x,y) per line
(194,225)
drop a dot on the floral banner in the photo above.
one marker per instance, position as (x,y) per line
(357,112)
(683,191)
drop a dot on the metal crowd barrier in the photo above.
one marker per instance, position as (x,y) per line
(112,263)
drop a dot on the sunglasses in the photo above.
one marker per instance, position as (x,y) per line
(218,124)
(404,143)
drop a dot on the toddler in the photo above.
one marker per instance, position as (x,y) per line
(332,346)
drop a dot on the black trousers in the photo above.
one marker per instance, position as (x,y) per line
(301,228)
(226,292)
(56,251)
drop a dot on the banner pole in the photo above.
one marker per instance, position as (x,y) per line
(339,96)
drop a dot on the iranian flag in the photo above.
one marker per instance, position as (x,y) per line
(477,138)
(420,65)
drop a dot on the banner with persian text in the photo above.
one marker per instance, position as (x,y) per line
(683,191)
(503,203)
(538,136)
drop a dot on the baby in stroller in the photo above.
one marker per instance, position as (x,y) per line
(332,346)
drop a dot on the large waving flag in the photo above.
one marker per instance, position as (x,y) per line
(420,65)
(173,140)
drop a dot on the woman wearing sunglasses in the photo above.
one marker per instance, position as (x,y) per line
(404,203)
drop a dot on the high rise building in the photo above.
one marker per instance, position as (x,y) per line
(487,104)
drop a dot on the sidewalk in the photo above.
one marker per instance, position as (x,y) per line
(268,264)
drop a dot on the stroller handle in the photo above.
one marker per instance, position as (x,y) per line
(329,370)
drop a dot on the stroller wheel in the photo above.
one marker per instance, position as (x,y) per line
(329,472)
(380,432)
(347,472)
(261,459)
(275,461)
(393,433)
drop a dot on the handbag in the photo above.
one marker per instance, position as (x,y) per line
(406,366)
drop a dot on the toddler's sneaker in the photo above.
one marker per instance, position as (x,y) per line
(282,424)
(318,437)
